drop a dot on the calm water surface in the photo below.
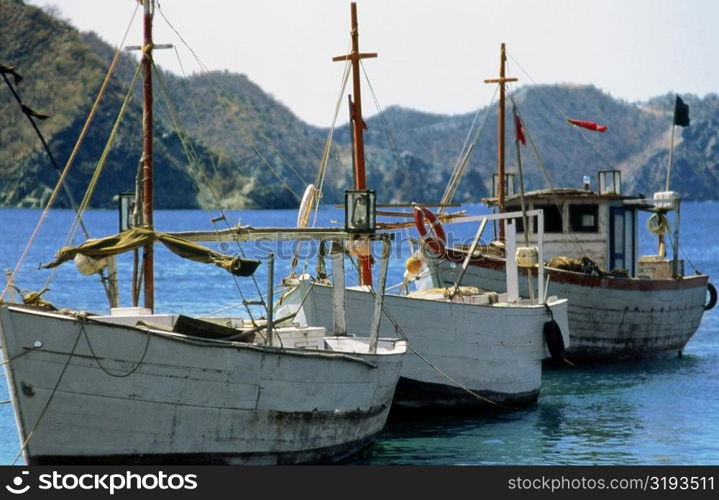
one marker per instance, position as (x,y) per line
(653,413)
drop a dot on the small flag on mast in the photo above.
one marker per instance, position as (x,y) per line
(6,69)
(681,113)
(588,125)
(519,130)
(31,112)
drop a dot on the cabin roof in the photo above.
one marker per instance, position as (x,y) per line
(564,194)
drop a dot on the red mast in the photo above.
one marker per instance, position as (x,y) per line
(358,127)
(148,257)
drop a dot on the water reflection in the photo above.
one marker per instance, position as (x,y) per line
(612,415)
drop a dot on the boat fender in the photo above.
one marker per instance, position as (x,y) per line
(438,239)
(553,337)
(554,340)
(712,297)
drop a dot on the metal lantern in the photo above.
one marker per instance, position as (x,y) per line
(610,182)
(125,206)
(509,186)
(360,211)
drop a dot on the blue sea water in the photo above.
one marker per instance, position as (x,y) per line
(652,413)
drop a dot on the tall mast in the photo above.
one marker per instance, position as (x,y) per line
(358,126)
(148,257)
(502,80)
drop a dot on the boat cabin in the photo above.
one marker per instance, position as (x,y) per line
(583,223)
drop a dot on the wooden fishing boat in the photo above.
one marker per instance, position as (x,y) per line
(621,306)
(136,386)
(96,389)
(471,348)
(479,350)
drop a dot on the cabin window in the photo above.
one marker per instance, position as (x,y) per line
(583,218)
(552,218)
(519,221)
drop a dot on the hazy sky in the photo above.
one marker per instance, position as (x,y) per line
(433,54)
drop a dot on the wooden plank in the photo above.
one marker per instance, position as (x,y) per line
(379,299)
(339,320)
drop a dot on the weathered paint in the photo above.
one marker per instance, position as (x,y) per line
(610,318)
(495,350)
(224,402)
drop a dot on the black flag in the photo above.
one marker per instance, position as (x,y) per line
(30,112)
(6,69)
(681,113)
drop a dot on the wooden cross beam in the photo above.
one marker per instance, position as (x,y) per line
(502,81)
(358,124)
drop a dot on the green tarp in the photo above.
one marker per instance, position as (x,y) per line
(138,237)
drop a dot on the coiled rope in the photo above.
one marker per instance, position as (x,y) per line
(658,224)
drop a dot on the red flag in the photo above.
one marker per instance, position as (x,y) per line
(588,125)
(519,130)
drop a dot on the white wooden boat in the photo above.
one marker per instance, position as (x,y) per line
(470,349)
(621,306)
(473,349)
(92,389)
(459,350)
(642,309)
(138,387)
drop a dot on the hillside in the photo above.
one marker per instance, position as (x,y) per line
(63,73)
(254,152)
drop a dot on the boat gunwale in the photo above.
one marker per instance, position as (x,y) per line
(565,276)
(400,346)
(497,305)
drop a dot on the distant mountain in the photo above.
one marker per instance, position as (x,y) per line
(61,77)
(248,150)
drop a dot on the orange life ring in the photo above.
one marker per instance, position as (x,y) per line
(438,239)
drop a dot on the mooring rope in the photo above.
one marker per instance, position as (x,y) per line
(49,399)
(404,336)
(108,372)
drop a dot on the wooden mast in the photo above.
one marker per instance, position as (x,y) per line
(358,126)
(502,80)
(148,254)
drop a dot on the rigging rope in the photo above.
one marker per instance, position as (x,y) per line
(545,173)
(320,178)
(98,169)
(224,93)
(71,159)
(464,156)
(390,139)
(398,329)
(563,111)
(52,395)
(201,180)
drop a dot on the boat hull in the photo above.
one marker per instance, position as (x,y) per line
(610,319)
(461,355)
(89,392)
